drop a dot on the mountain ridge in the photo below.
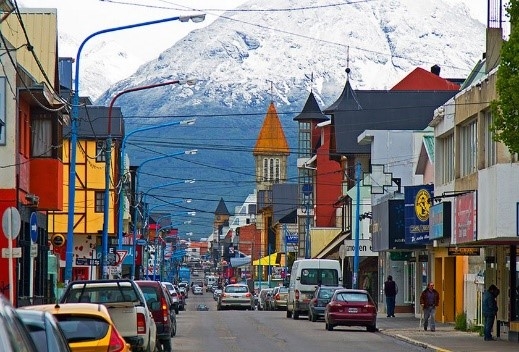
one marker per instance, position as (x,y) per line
(241,67)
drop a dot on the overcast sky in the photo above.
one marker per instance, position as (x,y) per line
(80,18)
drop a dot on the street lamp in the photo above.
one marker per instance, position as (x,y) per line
(134,236)
(109,151)
(74,129)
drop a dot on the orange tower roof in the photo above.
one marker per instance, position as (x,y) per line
(271,138)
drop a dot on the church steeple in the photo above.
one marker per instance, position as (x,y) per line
(271,151)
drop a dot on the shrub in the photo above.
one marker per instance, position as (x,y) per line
(461,322)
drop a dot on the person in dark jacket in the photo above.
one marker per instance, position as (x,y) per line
(489,311)
(390,290)
(429,300)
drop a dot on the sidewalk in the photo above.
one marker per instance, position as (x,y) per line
(445,339)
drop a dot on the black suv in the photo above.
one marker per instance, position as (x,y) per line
(322,296)
(159,303)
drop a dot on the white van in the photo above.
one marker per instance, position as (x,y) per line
(305,276)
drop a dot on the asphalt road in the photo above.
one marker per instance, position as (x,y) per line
(265,331)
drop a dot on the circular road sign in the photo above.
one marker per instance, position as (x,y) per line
(11,222)
(34,227)
(57,240)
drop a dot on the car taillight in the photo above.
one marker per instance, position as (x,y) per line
(117,343)
(165,313)
(276,297)
(333,307)
(369,308)
(296,294)
(247,295)
(314,301)
(141,323)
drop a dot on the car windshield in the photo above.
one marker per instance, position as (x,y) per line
(82,328)
(236,289)
(352,297)
(326,293)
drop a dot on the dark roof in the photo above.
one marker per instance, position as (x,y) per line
(221,209)
(284,201)
(311,111)
(93,122)
(358,110)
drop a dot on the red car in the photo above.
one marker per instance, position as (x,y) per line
(350,307)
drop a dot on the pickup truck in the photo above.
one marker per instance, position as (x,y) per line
(125,303)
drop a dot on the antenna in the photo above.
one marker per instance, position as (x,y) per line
(347,63)
(271,92)
(312,83)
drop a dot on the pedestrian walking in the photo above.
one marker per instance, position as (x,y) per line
(489,311)
(429,300)
(390,290)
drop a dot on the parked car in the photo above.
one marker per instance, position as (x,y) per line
(14,335)
(279,298)
(264,299)
(86,326)
(217,293)
(173,316)
(197,290)
(351,307)
(161,309)
(202,307)
(44,331)
(317,305)
(126,305)
(174,295)
(236,296)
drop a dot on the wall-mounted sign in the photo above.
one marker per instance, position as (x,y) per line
(417,209)
(57,240)
(440,221)
(471,251)
(465,219)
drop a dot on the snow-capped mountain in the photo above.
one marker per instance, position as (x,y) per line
(247,58)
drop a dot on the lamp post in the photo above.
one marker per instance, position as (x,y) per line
(121,164)
(109,151)
(358,170)
(134,236)
(74,127)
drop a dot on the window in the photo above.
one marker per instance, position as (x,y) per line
(46,135)
(490,144)
(326,277)
(446,160)
(468,148)
(305,136)
(100,152)
(100,202)
(271,170)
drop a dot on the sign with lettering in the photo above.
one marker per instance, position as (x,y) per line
(365,249)
(418,201)
(470,251)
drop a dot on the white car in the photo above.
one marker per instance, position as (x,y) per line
(197,290)
(217,293)
(174,295)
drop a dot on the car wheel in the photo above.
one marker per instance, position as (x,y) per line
(314,318)
(295,315)
(176,311)
(371,328)
(166,345)
(329,327)
(289,314)
(174,329)
(309,315)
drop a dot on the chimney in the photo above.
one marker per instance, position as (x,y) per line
(436,70)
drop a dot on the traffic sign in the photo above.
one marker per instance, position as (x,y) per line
(121,254)
(342,251)
(11,222)
(34,227)
(17,252)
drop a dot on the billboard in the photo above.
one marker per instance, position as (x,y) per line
(418,201)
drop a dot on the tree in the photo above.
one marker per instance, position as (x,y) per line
(505,108)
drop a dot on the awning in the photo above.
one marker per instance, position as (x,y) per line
(273,260)
(240,261)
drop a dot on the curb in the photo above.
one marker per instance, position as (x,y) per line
(416,342)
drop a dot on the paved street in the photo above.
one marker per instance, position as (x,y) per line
(260,331)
